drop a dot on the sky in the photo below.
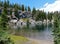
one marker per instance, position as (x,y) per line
(46,5)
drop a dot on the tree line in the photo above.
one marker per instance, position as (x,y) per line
(7,4)
(36,14)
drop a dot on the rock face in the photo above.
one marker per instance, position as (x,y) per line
(23,22)
(21,14)
(25,14)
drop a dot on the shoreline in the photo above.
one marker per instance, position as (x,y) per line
(36,41)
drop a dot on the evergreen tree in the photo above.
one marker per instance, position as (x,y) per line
(23,8)
(40,15)
(29,8)
(4,39)
(4,19)
(1,3)
(50,15)
(56,31)
(5,4)
(33,12)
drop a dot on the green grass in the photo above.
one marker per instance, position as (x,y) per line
(24,19)
(18,39)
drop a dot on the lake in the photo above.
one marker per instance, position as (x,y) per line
(40,34)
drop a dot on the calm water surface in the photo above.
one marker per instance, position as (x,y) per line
(41,34)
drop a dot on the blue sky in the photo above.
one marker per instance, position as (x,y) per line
(32,3)
(46,5)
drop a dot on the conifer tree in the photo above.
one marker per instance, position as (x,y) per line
(23,8)
(29,8)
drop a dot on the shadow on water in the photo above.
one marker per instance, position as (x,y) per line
(25,31)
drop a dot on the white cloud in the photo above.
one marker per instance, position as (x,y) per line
(46,5)
(51,7)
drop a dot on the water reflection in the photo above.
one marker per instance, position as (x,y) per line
(39,32)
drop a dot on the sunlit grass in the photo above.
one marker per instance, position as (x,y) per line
(24,19)
(18,39)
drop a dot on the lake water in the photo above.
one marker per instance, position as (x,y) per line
(43,35)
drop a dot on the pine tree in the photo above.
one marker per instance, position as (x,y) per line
(29,8)
(56,31)
(4,20)
(33,12)
(23,8)
(50,15)
(1,3)
(4,39)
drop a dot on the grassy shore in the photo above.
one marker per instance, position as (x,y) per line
(18,39)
